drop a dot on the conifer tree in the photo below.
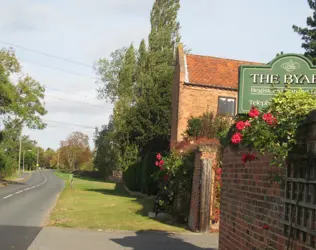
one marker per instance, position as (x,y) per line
(308,34)
(154,108)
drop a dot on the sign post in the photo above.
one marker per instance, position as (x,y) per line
(258,83)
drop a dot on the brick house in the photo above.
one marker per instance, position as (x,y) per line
(201,84)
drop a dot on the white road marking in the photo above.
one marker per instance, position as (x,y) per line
(18,192)
(8,196)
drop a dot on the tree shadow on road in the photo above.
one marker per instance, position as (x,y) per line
(17,237)
(157,240)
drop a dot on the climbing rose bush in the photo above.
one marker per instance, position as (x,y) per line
(274,128)
(175,177)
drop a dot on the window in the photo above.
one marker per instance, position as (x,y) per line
(226,106)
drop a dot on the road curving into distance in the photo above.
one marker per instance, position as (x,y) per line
(23,208)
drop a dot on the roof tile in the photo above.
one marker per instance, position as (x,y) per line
(214,71)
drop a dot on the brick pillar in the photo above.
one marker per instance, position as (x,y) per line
(202,186)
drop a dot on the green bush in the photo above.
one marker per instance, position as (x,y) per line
(132,176)
(175,192)
(194,126)
(208,125)
(139,176)
(7,166)
(149,184)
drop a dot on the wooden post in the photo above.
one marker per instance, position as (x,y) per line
(205,194)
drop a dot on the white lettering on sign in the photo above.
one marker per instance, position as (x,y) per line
(288,78)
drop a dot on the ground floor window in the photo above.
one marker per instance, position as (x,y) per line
(226,106)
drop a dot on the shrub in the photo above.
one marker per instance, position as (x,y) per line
(175,177)
(132,176)
(149,184)
(274,128)
(208,125)
(7,166)
(194,127)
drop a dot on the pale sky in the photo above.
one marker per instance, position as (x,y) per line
(84,31)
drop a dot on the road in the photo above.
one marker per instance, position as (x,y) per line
(23,208)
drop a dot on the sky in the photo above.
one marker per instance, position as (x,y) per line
(83,31)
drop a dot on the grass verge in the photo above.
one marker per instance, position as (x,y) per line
(103,205)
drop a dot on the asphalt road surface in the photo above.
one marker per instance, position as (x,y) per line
(23,208)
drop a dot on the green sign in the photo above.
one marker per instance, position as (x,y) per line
(258,83)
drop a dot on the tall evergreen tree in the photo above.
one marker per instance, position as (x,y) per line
(308,34)
(141,70)
(127,74)
(154,108)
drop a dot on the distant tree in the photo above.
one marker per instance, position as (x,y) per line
(46,156)
(106,155)
(308,33)
(75,151)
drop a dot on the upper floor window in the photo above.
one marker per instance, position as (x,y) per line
(227,106)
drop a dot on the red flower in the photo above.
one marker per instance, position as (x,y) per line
(247,124)
(244,158)
(270,119)
(240,125)
(248,157)
(236,138)
(158,156)
(265,227)
(157,163)
(161,162)
(252,156)
(166,177)
(219,171)
(161,167)
(254,112)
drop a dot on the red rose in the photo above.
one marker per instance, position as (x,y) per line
(244,158)
(248,157)
(236,138)
(270,119)
(253,112)
(247,124)
(158,156)
(240,125)
(161,162)
(157,163)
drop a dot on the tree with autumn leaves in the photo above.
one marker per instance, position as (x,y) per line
(74,153)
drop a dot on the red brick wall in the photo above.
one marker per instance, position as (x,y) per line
(248,202)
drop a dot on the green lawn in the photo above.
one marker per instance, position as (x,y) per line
(102,205)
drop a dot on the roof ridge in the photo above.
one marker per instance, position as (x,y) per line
(223,58)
